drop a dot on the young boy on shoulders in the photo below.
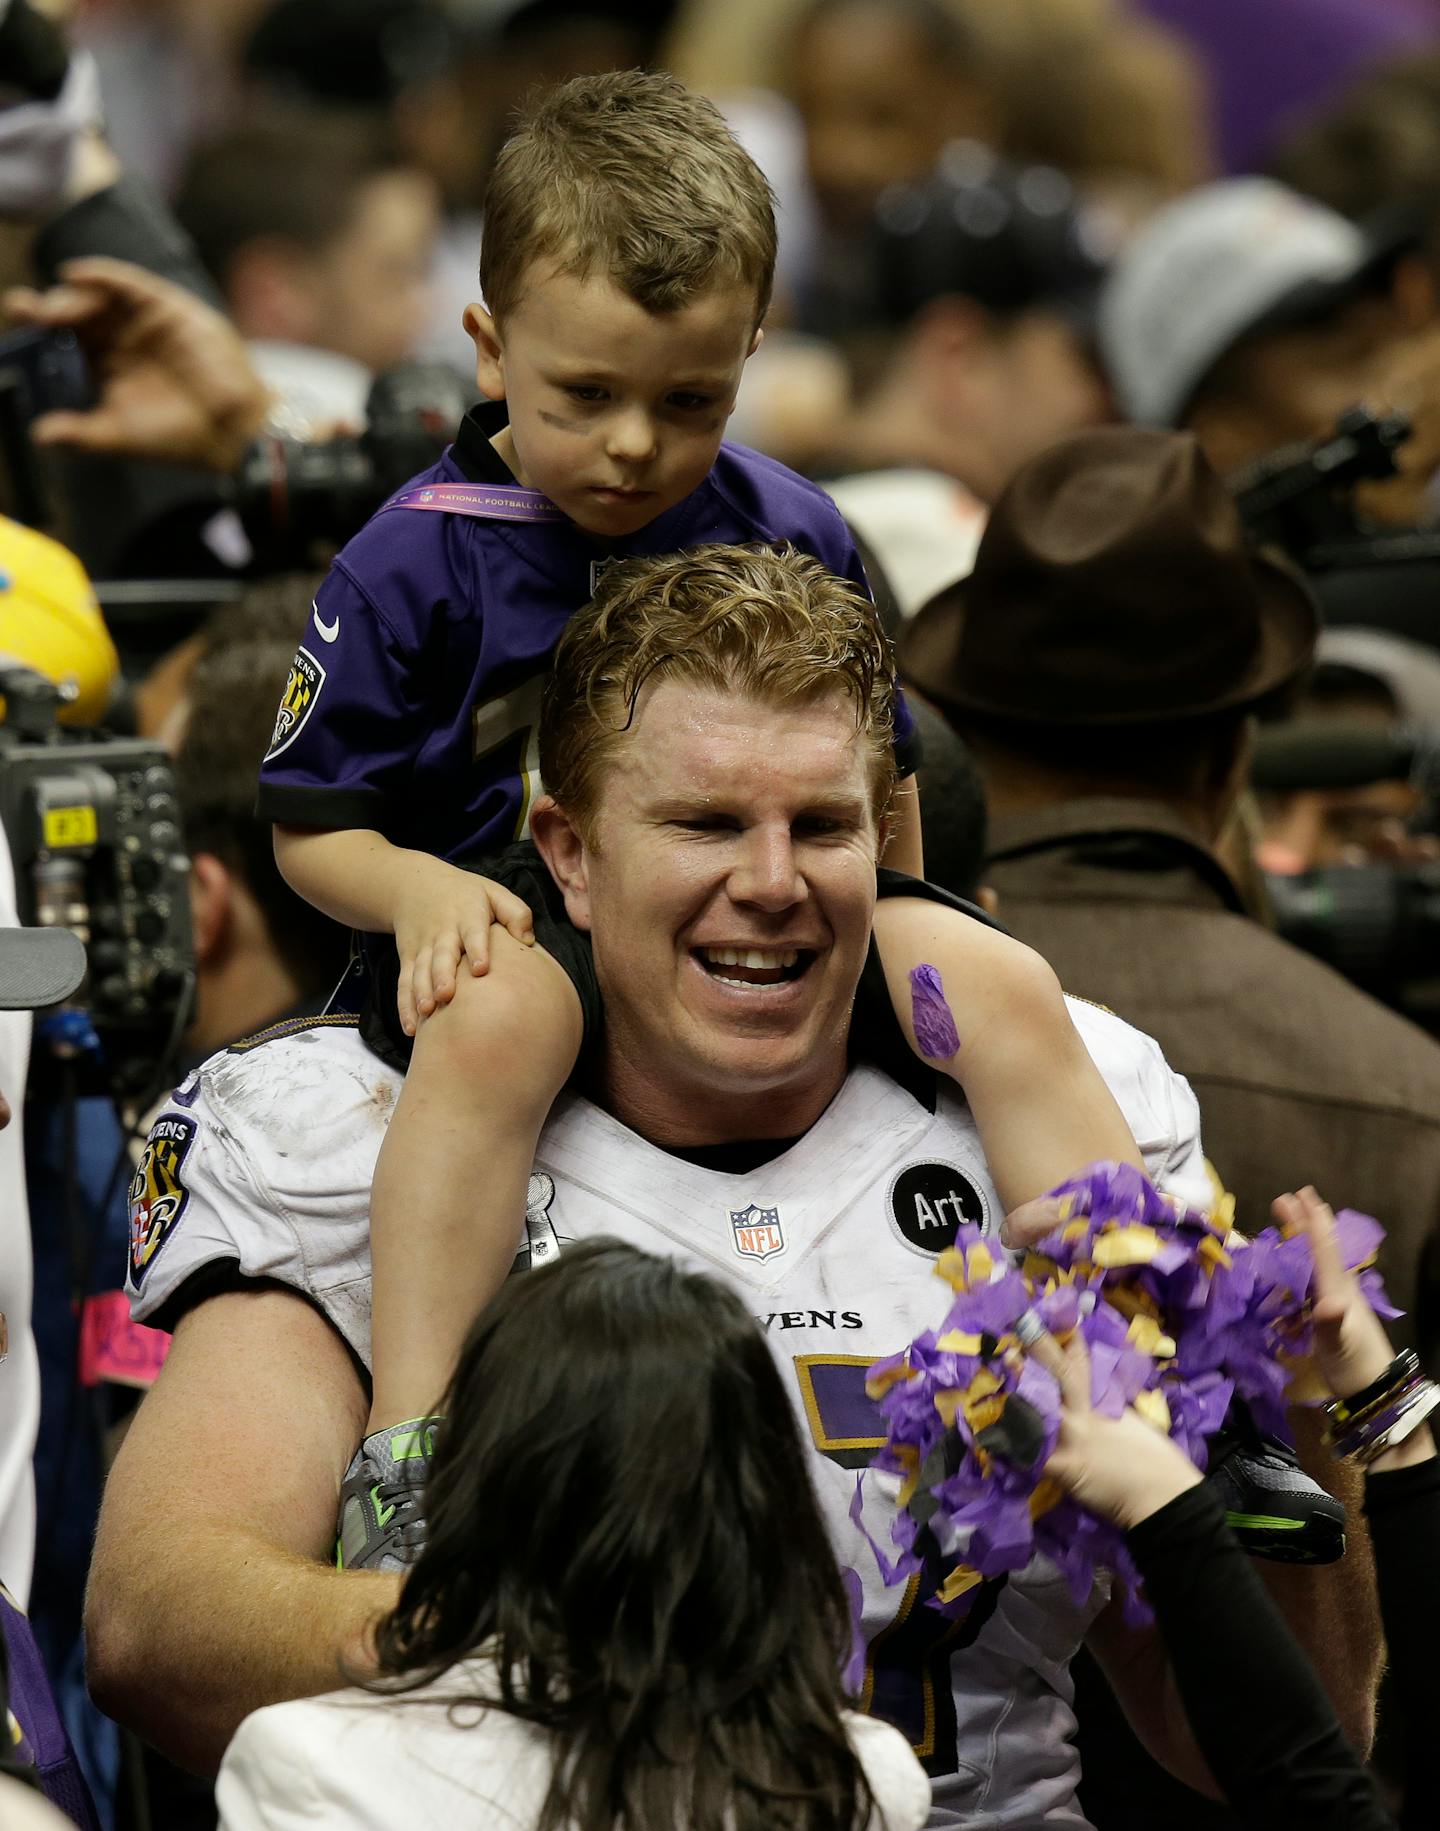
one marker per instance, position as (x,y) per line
(627,262)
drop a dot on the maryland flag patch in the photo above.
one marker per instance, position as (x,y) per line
(302,689)
(157,1193)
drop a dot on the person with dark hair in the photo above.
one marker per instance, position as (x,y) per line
(880,87)
(983,276)
(663,1637)
(320,243)
(262,953)
(1254,317)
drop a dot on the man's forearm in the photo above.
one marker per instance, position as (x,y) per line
(209,1591)
(181,1661)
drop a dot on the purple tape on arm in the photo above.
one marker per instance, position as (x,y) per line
(935,1034)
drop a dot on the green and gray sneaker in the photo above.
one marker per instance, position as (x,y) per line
(1271,1505)
(382,1524)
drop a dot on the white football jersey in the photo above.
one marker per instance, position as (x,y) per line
(264,1157)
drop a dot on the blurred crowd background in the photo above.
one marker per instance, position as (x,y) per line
(984,245)
(1001,221)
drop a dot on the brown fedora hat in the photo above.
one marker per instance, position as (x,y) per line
(1113,586)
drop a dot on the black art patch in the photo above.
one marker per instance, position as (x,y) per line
(928,1203)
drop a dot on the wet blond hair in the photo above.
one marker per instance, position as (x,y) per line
(631,176)
(767,622)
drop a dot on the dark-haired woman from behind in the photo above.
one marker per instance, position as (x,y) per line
(627,1615)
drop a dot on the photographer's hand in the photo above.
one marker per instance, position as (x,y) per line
(174,377)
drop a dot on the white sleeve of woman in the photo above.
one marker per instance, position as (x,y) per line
(897,1780)
(280,1774)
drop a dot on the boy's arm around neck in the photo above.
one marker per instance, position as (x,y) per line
(352,873)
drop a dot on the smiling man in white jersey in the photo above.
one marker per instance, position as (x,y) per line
(715,826)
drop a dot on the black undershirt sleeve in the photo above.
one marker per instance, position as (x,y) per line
(1259,1713)
(1403,1508)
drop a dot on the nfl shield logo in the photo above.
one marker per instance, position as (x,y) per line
(758,1233)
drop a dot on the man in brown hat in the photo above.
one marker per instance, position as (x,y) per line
(1104,661)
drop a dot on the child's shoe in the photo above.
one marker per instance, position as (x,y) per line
(382,1525)
(1272,1506)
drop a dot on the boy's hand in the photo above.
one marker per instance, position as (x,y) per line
(442,913)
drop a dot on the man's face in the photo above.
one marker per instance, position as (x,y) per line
(1294,384)
(372,285)
(729,893)
(876,105)
(616,412)
(996,392)
(1044,389)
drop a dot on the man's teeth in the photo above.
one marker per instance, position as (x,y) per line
(759,958)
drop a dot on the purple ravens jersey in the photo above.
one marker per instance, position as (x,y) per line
(412,703)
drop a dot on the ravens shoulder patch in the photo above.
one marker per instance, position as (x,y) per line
(157,1190)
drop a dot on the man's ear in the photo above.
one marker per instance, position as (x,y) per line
(212,892)
(489,353)
(562,848)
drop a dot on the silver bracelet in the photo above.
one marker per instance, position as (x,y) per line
(1424,1401)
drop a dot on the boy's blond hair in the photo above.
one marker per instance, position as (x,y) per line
(632,176)
(769,622)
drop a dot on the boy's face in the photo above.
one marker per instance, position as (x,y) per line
(616,412)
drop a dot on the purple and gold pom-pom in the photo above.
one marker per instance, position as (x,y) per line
(1179,1317)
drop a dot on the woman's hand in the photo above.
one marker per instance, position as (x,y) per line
(1350,1346)
(1122,1468)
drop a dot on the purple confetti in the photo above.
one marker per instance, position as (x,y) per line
(935,1035)
(1230,1319)
(852,1677)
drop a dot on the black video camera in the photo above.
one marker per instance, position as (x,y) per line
(93,825)
(1302,499)
(293,495)
(1379,925)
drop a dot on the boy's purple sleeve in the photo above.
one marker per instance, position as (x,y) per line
(350,720)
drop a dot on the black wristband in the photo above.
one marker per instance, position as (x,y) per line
(1405,1366)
